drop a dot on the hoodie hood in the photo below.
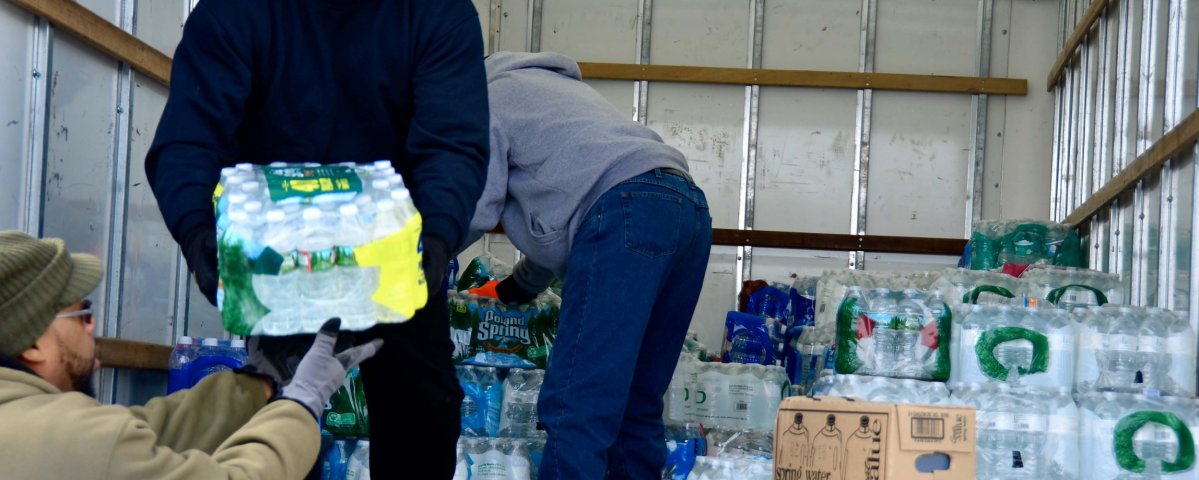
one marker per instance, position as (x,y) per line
(503,62)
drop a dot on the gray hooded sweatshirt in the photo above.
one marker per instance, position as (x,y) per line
(556,146)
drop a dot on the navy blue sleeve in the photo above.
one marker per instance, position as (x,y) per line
(210,83)
(447,139)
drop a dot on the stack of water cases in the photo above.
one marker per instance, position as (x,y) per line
(345,431)
(1138,436)
(300,243)
(500,439)
(488,333)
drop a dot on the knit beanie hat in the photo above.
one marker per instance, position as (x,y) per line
(37,279)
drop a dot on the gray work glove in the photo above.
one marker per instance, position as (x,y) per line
(321,372)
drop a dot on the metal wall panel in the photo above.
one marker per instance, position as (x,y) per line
(903,262)
(920,147)
(705,123)
(715,298)
(812,35)
(610,36)
(16,104)
(710,33)
(514,26)
(906,37)
(77,203)
(806,148)
(618,92)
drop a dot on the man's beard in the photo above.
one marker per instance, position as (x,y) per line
(79,370)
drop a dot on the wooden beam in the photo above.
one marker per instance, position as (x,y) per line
(118,353)
(1071,47)
(838,242)
(805,78)
(102,34)
(1171,144)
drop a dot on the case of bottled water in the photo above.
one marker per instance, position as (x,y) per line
(992,343)
(894,334)
(1070,288)
(518,414)
(1126,436)
(300,243)
(731,467)
(488,333)
(978,287)
(882,389)
(1023,432)
(498,458)
(482,400)
(730,395)
(833,286)
(1132,349)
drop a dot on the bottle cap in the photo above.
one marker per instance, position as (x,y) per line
(382,163)
(210,342)
(384,205)
(186,340)
(253,206)
(380,184)
(312,213)
(245,167)
(275,216)
(349,210)
(237,343)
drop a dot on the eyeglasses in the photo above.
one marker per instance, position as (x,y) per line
(85,313)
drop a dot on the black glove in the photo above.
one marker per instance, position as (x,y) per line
(509,292)
(199,249)
(435,256)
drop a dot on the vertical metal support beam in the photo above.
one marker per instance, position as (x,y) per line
(533,40)
(110,316)
(978,107)
(1115,224)
(1106,110)
(39,55)
(641,88)
(1139,247)
(1128,86)
(1193,292)
(749,148)
(1082,174)
(495,15)
(1167,235)
(861,160)
(1059,135)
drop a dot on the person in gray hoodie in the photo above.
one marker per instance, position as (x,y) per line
(596,199)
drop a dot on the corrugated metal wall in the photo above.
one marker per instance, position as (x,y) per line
(75,126)
(1134,80)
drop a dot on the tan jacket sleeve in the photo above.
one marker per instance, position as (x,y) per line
(204,416)
(280,442)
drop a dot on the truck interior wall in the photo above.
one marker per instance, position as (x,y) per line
(1133,80)
(83,139)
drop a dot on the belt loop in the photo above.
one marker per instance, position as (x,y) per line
(658,173)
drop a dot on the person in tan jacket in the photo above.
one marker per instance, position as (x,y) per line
(225,427)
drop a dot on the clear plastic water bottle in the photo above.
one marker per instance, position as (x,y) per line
(1062,443)
(890,346)
(178,376)
(380,189)
(1121,363)
(356,283)
(277,292)
(1011,435)
(678,395)
(1181,347)
(964,337)
(914,314)
(1092,324)
(317,283)
(519,414)
(1151,348)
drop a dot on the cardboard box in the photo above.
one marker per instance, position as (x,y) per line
(844,439)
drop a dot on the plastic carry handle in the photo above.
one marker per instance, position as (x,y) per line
(1056,294)
(985,349)
(1127,428)
(971,297)
(1026,230)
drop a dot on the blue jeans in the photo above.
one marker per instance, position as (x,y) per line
(633,278)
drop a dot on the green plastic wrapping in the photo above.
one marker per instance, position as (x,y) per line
(1056,294)
(985,349)
(846,359)
(346,415)
(971,297)
(1029,241)
(237,298)
(983,252)
(1126,429)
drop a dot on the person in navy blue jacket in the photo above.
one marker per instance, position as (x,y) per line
(330,81)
